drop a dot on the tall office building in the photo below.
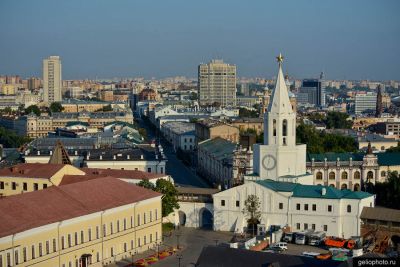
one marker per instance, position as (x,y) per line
(379,105)
(217,83)
(52,81)
(312,92)
(365,102)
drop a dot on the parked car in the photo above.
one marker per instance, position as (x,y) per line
(281,245)
(273,250)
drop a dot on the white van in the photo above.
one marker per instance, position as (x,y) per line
(310,254)
(282,245)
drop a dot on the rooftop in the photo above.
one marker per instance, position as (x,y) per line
(388,158)
(330,156)
(58,203)
(180,127)
(312,191)
(220,148)
(380,213)
(31,170)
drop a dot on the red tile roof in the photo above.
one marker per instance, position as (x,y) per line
(128,174)
(57,203)
(32,170)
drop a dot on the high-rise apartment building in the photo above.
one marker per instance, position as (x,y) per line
(365,102)
(52,81)
(217,83)
(312,92)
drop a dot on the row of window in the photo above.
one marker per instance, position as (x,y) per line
(39,250)
(298,226)
(345,175)
(314,207)
(14,186)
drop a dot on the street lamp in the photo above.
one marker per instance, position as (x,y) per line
(177,240)
(179,257)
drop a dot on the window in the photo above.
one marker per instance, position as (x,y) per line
(112,251)
(330,208)
(117,226)
(35,186)
(274,127)
(344,175)
(131,244)
(139,242)
(33,251)
(148,169)
(62,243)
(151,238)
(237,203)
(82,237)
(325,227)
(98,256)
(332,176)
(298,206)
(97,232)
(8,259)
(16,259)
(138,219)
(144,217)
(305,226)
(319,176)
(76,238)
(383,173)
(305,206)
(313,226)
(40,250)
(125,247)
(44,186)
(281,206)
(111,228)
(156,214)
(54,245)
(24,254)
(25,186)
(223,203)
(89,234)
(144,240)
(124,223)
(131,221)
(1,185)
(349,208)
(47,247)
(298,226)
(314,207)
(357,175)
(284,128)
(14,185)
(69,240)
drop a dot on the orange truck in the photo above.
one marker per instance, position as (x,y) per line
(337,242)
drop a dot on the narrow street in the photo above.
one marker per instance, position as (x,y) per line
(182,174)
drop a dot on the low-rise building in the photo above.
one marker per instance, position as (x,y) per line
(71,225)
(180,134)
(210,129)
(300,207)
(244,124)
(223,162)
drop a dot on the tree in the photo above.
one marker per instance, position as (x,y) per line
(56,107)
(246,113)
(337,120)
(147,184)
(394,149)
(193,96)
(169,198)
(252,211)
(9,139)
(34,109)
(388,192)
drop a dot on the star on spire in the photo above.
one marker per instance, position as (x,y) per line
(279,58)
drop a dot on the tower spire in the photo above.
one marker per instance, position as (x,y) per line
(280,102)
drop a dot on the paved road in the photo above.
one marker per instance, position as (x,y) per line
(182,175)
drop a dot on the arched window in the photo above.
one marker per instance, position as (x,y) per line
(383,173)
(357,175)
(348,208)
(357,187)
(370,175)
(332,176)
(319,176)
(332,185)
(284,127)
(344,175)
(274,127)
(344,186)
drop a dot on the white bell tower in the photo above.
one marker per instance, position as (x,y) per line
(279,155)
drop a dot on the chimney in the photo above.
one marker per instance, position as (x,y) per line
(323,192)
(114,157)
(76,153)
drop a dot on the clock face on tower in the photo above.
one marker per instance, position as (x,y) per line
(269,162)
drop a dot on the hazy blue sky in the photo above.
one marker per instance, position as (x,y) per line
(129,38)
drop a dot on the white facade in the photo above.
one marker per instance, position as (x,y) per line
(337,217)
(52,79)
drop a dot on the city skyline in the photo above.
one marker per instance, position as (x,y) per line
(137,39)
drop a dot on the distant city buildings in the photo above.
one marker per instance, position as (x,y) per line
(217,83)
(52,79)
(312,92)
(365,102)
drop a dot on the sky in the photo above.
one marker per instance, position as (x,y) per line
(357,39)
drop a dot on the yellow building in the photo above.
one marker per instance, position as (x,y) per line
(89,223)
(8,89)
(24,178)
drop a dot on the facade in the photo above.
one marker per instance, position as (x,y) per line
(180,134)
(210,129)
(365,102)
(39,126)
(73,106)
(52,79)
(223,162)
(248,101)
(314,92)
(245,124)
(72,226)
(217,83)
(301,207)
